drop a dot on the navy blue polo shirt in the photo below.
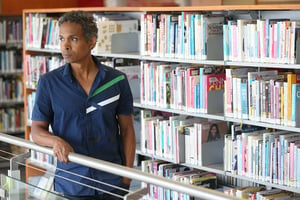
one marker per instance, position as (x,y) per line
(87,122)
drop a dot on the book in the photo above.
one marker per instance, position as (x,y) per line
(228,90)
(295,95)
(235,131)
(253,95)
(211,139)
(213,91)
(291,79)
(213,39)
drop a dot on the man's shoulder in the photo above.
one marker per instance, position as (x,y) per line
(111,72)
(54,74)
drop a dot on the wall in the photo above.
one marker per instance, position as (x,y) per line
(15,7)
(151,3)
(235,2)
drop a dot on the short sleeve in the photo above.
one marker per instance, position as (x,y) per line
(42,110)
(125,106)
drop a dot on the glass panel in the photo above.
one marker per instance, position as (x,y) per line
(13,189)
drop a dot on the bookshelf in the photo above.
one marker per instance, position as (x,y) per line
(11,79)
(11,71)
(231,12)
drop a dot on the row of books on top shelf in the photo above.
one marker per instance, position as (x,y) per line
(268,96)
(43,31)
(182,86)
(182,139)
(183,35)
(10,60)
(178,173)
(38,65)
(11,31)
(11,118)
(199,36)
(261,40)
(257,153)
(11,89)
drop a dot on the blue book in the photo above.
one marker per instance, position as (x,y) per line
(225,42)
(295,103)
(192,36)
(196,96)
(244,98)
(50,34)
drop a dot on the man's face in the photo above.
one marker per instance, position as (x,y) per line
(74,47)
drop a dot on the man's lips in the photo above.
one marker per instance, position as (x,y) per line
(66,55)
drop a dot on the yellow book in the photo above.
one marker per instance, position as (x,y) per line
(291,79)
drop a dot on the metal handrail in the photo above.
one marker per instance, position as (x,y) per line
(201,192)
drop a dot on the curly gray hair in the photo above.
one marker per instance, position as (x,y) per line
(84,19)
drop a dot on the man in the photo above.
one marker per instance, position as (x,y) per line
(89,107)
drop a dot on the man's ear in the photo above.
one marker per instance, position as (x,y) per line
(93,42)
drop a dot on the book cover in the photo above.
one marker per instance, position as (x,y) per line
(213,91)
(211,139)
(213,39)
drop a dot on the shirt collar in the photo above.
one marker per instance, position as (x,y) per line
(101,72)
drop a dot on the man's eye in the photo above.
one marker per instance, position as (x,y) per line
(61,39)
(74,39)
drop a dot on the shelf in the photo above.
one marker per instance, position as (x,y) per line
(183,60)
(51,51)
(134,55)
(137,56)
(218,169)
(139,152)
(283,187)
(217,117)
(263,65)
(13,131)
(10,102)
(11,73)
(263,124)
(180,112)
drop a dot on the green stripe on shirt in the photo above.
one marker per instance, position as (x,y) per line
(107,85)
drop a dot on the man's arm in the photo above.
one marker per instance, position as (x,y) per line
(41,136)
(128,137)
